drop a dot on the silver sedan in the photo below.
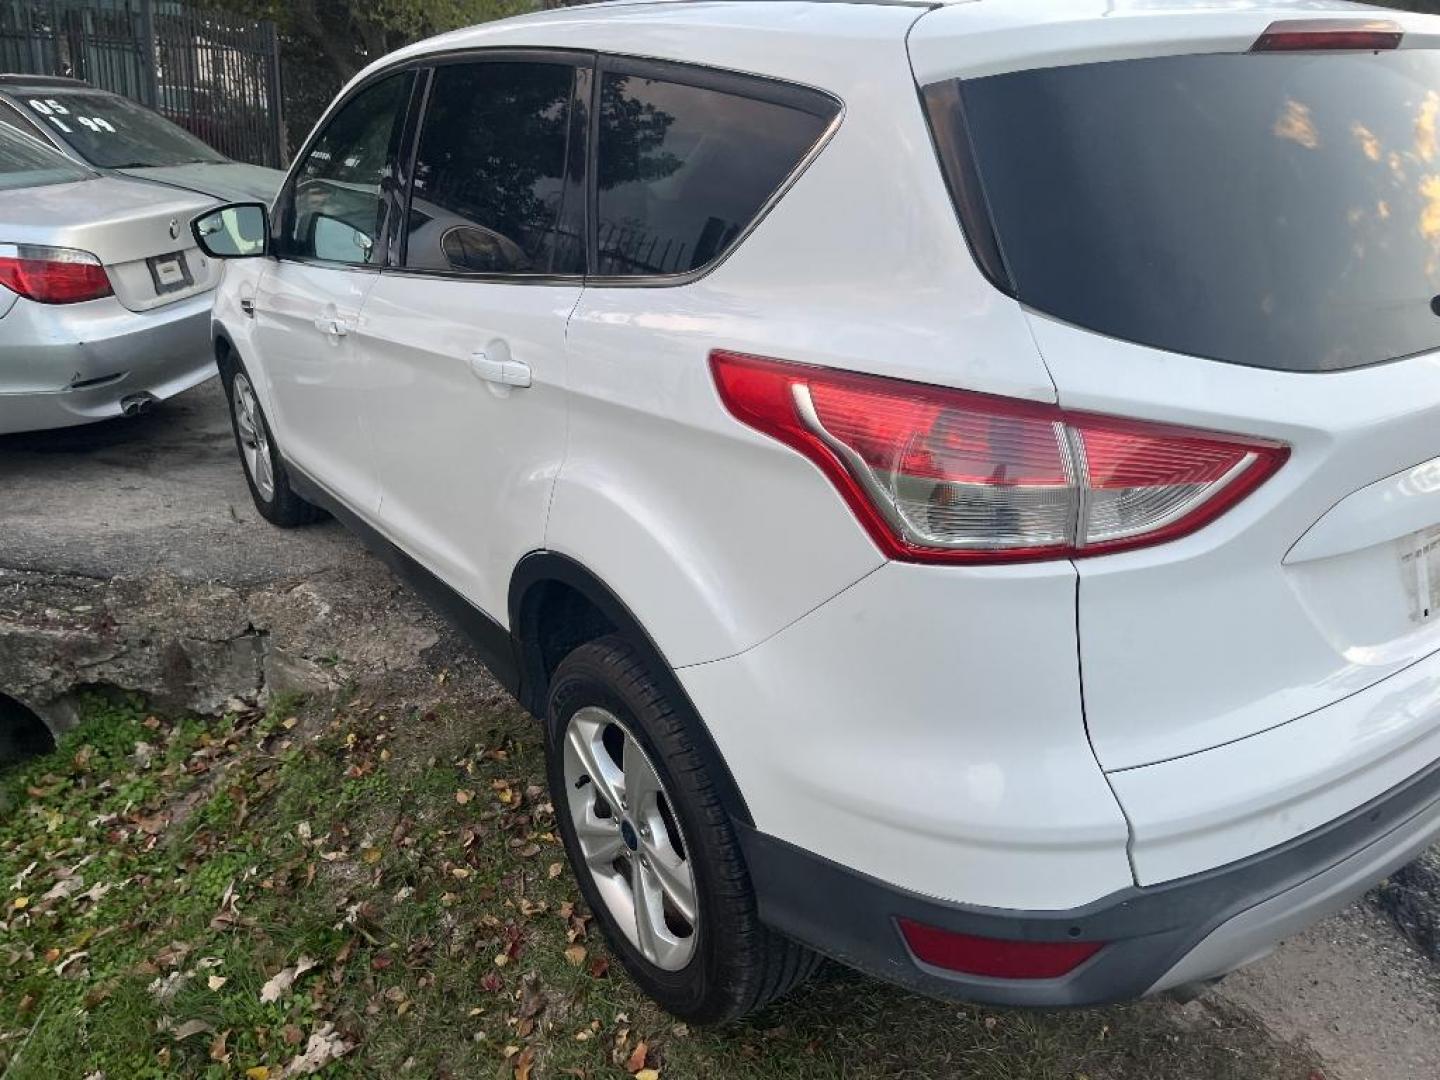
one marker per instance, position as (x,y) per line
(104,297)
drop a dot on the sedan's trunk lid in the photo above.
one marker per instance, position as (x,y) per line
(140,231)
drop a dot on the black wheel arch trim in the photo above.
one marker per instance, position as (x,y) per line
(543,567)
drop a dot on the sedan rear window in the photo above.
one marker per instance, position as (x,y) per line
(1277,211)
(113,132)
(25,163)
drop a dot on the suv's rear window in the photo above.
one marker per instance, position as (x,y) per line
(685,169)
(1278,211)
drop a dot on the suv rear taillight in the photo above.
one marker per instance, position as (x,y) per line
(51,275)
(941,475)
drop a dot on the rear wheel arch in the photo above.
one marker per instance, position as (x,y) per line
(556,605)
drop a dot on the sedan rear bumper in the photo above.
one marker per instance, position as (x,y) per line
(1158,938)
(62,365)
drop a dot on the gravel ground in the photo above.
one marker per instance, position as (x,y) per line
(161,501)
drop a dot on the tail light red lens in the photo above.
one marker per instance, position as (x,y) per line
(993,958)
(52,275)
(1309,35)
(940,475)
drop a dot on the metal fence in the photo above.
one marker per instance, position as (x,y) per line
(215,74)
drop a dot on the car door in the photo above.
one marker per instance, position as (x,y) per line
(330,244)
(465,334)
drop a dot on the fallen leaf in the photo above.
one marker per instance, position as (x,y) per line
(190,1029)
(637,1058)
(324,1047)
(259,1072)
(218,1052)
(280,985)
(648,1074)
(556,869)
(524,1063)
(575,955)
(217,981)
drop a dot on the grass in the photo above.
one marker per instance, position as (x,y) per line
(157,873)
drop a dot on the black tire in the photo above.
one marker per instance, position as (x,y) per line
(738,964)
(281,506)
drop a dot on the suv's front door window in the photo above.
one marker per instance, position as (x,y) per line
(491,194)
(337,212)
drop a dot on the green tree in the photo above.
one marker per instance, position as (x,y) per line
(325,42)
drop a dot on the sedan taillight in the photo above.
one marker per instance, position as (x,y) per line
(50,275)
(941,475)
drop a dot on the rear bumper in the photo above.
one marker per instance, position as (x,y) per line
(1158,938)
(62,365)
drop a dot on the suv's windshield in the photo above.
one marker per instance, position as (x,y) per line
(113,132)
(1279,211)
(25,163)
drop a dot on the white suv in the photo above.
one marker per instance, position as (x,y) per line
(958,481)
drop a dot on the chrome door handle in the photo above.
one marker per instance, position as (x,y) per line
(500,372)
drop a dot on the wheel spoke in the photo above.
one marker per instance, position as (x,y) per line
(642,786)
(659,945)
(673,875)
(264,471)
(247,429)
(599,838)
(584,740)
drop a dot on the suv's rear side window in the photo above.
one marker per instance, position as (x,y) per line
(684,169)
(1278,211)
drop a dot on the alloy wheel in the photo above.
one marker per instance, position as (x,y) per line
(630,838)
(254,445)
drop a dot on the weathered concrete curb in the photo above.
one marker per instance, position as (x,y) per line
(199,647)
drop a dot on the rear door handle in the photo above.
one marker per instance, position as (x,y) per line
(333,326)
(500,372)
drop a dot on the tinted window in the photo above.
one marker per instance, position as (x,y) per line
(113,132)
(490,179)
(683,171)
(26,163)
(338,213)
(12,119)
(1279,211)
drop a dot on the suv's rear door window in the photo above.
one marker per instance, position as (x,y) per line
(685,169)
(490,187)
(1279,210)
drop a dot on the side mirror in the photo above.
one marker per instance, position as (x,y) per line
(236,231)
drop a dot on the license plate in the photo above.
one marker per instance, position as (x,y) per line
(1420,571)
(169,273)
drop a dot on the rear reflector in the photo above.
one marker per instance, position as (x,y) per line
(992,958)
(52,275)
(941,475)
(1373,35)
